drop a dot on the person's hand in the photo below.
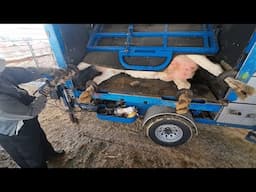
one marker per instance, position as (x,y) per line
(46,89)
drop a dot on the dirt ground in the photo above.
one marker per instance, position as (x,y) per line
(102,144)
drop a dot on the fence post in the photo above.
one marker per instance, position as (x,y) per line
(33,54)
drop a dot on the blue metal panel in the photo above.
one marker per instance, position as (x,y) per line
(251,43)
(116,119)
(68,42)
(213,122)
(143,102)
(57,44)
(210,45)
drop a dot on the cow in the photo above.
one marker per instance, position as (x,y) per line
(181,68)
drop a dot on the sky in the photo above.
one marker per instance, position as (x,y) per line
(21,31)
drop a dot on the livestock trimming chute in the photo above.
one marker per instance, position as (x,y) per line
(153,46)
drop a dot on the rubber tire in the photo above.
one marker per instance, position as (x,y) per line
(156,122)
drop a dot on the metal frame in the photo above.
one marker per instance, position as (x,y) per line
(246,71)
(144,102)
(210,45)
(58,47)
(57,44)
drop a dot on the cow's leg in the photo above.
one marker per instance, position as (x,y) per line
(184,96)
(206,64)
(182,84)
(107,73)
(241,89)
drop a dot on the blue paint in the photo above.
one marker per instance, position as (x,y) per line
(143,102)
(213,122)
(206,42)
(144,53)
(69,84)
(209,40)
(165,37)
(249,65)
(116,118)
(196,112)
(57,44)
(251,43)
(231,96)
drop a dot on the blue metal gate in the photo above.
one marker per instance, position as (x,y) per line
(166,50)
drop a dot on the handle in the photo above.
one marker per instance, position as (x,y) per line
(144,53)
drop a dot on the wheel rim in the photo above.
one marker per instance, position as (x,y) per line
(168,133)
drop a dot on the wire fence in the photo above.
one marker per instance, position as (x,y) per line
(28,53)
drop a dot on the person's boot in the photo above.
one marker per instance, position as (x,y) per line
(59,153)
(56,154)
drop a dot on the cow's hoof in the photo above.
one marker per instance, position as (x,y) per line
(85,97)
(244,91)
(241,89)
(182,106)
(185,97)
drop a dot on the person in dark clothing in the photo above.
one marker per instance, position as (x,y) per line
(20,132)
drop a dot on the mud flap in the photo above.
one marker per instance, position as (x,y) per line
(251,137)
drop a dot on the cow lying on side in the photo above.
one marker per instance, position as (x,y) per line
(182,68)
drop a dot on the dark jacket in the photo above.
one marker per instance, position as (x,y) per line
(16,104)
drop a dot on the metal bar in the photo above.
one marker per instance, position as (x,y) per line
(129,37)
(165,38)
(156,34)
(206,37)
(213,40)
(105,48)
(130,28)
(146,48)
(149,101)
(57,44)
(251,42)
(111,35)
(101,27)
(116,119)
(93,37)
(209,47)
